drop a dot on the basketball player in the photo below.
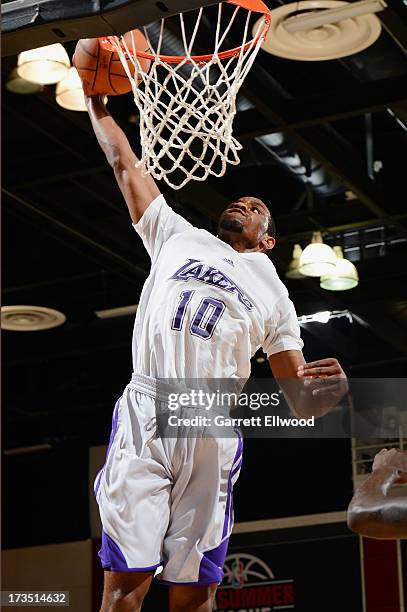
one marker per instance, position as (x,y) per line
(372,511)
(207,306)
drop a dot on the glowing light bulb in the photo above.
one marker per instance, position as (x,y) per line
(293,269)
(44,65)
(317,258)
(69,92)
(345,275)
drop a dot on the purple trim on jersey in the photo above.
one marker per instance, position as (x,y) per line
(115,419)
(113,559)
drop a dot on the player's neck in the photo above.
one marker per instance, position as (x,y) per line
(237,244)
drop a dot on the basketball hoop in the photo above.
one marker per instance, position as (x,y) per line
(188,101)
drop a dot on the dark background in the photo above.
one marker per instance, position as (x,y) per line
(68,244)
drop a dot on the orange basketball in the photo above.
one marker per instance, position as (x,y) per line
(102,70)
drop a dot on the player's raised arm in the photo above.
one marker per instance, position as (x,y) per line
(138,190)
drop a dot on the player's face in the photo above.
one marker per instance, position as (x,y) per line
(247,218)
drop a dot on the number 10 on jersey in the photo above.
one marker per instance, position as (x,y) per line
(205,318)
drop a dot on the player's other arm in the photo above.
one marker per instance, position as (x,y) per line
(372,512)
(311,389)
(138,190)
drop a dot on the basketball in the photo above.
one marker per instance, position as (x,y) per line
(102,70)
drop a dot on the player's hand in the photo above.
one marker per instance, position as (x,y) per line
(87,90)
(324,377)
(87,87)
(392,458)
(86,84)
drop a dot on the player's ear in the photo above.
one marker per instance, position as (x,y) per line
(267,243)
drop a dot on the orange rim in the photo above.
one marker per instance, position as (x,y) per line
(256,6)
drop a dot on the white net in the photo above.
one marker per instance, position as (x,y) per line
(187,104)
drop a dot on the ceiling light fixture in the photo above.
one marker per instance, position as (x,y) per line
(345,276)
(23,450)
(324,29)
(18,85)
(316,317)
(316,19)
(44,65)
(30,318)
(317,258)
(293,269)
(121,311)
(69,92)
(324,316)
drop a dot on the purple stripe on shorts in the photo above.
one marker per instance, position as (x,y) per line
(229,500)
(115,418)
(211,567)
(113,559)
(237,466)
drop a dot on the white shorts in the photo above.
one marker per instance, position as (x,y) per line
(165,501)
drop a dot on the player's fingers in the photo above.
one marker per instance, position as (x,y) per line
(336,390)
(399,460)
(320,371)
(328,367)
(316,381)
(320,362)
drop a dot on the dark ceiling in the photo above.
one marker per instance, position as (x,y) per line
(311,132)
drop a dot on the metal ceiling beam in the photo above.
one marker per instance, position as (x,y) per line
(205,199)
(383,327)
(345,163)
(49,179)
(325,108)
(335,340)
(346,227)
(387,272)
(35,125)
(367,312)
(394,21)
(375,363)
(323,143)
(137,272)
(52,282)
(32,23)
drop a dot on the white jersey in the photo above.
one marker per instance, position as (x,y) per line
(206,309)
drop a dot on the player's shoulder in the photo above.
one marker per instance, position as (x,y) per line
(262,263)
(276,287)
